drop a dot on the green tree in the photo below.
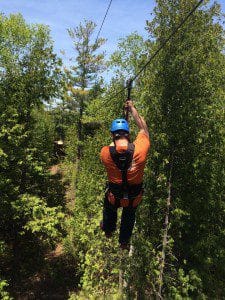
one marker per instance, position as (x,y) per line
(89,63)
(82,85)
(186,114)
(30,76)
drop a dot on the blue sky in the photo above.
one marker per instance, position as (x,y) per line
(124,17)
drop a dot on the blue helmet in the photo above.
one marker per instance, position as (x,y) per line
(120,124)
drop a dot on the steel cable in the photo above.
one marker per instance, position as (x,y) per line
(162,45)
(103,21)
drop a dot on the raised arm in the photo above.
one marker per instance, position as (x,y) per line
(140,122)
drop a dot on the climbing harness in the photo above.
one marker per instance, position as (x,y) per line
(116,198)
(124,194)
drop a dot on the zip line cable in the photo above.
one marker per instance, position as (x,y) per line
(162,46)
(103,21)
(169,37)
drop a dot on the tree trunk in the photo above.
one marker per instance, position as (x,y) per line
(165,236)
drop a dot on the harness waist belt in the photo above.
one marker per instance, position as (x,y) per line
(116,194)
(132,190)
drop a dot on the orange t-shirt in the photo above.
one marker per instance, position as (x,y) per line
(136,171)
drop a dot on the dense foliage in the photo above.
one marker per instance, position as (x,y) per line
(31,201)
(178,242)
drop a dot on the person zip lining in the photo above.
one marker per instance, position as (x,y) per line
(124,163)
